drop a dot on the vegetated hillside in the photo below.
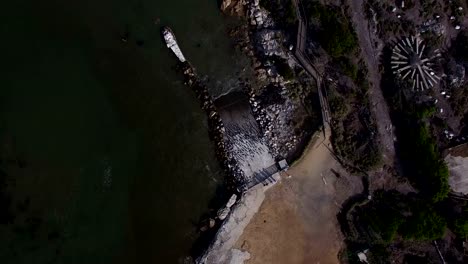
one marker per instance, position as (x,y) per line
(354,132)
(331,28)
(401,227)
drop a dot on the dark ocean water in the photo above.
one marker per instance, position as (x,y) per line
(104,153)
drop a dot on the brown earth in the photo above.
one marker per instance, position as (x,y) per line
(297,221)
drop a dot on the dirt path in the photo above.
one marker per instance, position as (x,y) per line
(371,55)
(297,220)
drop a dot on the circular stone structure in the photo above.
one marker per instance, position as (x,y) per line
(409,62)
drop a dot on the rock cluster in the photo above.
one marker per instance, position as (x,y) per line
(220,215)
(270,42)
(258,16)
(224,212)
(274,122)
(262,41)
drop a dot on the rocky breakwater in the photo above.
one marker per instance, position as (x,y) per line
(216,128)
(282,101)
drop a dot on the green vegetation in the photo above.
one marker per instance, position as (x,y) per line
(361,77)
(347,67)
(337,104)
(383,215)
(421,216)
(461,227)
(282,10)
(422,161)
(459,100)
(424,224)
(414,216)
(420,157)
(283,68)
(352,133)
(461,46)
(353,127)
(386,222)
(271,95)
(391,213)
(335,34)
(353,130)
(460,224)
(290,18)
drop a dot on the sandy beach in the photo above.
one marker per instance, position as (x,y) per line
(297,220)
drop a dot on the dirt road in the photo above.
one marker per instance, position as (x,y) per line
(371,55)
(297,220)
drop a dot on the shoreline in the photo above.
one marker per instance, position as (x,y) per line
(303,209)
(239,213)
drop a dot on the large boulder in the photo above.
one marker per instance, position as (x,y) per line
(231,201)
(233,7)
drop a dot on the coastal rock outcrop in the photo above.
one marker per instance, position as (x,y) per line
(270,42)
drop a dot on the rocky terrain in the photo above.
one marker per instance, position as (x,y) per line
(284,100)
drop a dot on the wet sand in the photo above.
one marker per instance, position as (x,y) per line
(297,221)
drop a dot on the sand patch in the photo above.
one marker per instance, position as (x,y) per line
(297,220)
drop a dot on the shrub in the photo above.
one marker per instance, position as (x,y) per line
(461,46)
(424,224)
(337,105)
(271,95)
(428,171)
(336,35)
(347,67)
(283,69)
(283,11)
(460,223)
(383,214)
(461,227)
(386,223)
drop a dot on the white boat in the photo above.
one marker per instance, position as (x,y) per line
(171,43)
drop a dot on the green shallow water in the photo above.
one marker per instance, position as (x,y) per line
(104,152)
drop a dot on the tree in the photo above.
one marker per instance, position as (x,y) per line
(461,227)
(461,46)
(283,68)
(424,224)
(336,35)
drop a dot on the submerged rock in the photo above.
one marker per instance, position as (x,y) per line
(211,223)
